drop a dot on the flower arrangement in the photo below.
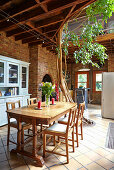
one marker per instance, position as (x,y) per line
(47,89)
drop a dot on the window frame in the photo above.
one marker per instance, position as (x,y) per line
(76,78)
(94,81)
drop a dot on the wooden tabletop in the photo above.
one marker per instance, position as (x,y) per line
(47,113)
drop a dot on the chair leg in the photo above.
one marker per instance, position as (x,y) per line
(44,144)
(73,141)
(58,139)
(77,135)
(22,137)
(54,140)
(41,130)
(8,135)
(67,154)
(81,126)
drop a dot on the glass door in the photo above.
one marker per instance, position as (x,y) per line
(24,77)
(13,76)
(1,72)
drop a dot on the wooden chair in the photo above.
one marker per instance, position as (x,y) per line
(62,131)
(78,121)
(12,105)
(32,101)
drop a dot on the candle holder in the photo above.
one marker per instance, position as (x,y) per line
(36,108)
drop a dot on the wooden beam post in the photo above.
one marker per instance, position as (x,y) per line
(60,58)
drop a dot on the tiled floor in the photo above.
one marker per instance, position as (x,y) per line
(91,153)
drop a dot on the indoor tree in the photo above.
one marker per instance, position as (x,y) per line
(87,46)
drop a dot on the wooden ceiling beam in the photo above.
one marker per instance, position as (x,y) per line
(6,5)
(49,21)
(48,45)
(72,8)
(23,36)
(37,30)
(16,31)
(4,2)
(24,8)
(71,13)
(51,34)
(51,27)
(44,15)
(43,6)
(49,31)
(36,14)
(35,43)
(31,39)
(105,37)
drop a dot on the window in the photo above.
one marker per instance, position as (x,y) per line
(97,81)
(82,79)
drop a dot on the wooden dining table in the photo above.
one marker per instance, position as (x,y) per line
(45,116)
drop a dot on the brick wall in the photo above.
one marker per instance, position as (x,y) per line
(42,62)
(13,49)
(111,62)
(33,71)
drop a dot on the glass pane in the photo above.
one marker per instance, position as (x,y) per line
(99,77)
(98,86)
(13,73)
(82,85)
(1,72)
(82,77)
(24,74)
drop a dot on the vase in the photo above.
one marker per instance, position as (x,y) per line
(47,100)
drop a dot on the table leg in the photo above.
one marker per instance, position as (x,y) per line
(19,134)
(38,158)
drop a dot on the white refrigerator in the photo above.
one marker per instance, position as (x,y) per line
(107,109)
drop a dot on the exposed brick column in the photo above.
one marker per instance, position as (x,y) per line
(42,62)
(33,71)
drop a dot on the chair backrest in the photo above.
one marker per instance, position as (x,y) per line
(32,101)
(81,111)
(12,105)
(71,118)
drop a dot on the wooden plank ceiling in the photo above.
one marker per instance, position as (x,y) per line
(37,21)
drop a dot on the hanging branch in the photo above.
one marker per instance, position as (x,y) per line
(86,42)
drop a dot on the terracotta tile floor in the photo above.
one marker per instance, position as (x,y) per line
(91,153)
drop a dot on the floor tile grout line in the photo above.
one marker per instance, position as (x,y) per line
(100,165)
(6,155)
